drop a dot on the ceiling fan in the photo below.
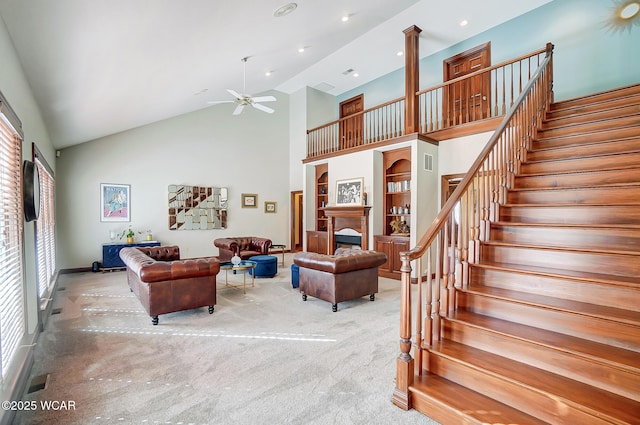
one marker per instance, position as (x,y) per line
(244,99)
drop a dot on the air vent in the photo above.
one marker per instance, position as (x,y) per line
(38,383)
(428,162)
(348,71)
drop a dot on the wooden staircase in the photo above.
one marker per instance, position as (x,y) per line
(548,329)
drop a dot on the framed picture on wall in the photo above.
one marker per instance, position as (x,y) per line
(115,202)
(270,207)
(349,191)
(249,200)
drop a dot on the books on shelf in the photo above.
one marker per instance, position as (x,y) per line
(400,186)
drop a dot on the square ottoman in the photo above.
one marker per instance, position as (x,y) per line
(295,276)
(267,266)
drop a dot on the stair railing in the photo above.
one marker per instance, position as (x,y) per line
(452,241)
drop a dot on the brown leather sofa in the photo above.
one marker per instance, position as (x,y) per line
(165,284)
(347,275)
(244,246)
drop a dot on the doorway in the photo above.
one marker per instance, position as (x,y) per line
(467,100)
(351,133)
(296,221)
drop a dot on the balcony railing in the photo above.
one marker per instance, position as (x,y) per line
(373,125)
(486,93)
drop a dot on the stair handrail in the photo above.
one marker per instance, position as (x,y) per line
(454,239)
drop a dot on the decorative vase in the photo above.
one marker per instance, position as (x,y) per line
(235,260)
(149,237)
(129,239)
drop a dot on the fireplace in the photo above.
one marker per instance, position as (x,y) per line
(354,217)
(345,241)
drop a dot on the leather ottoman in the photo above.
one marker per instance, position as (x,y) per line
(267,266)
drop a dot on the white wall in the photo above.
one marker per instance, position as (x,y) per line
(248,153)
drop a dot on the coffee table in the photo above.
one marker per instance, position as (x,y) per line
(242,267)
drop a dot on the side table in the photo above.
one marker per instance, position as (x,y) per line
(111,254)
(280,248)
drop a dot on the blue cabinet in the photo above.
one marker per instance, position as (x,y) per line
(111,253)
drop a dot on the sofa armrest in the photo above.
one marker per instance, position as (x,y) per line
(261,245)
(347,262)
(229,244)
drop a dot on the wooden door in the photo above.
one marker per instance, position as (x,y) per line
(351,133)
(467,100)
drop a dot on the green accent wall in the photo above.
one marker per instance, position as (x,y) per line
(589,55)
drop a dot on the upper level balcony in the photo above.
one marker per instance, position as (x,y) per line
(469,104)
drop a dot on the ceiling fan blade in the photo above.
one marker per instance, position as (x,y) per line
(235,94)
(214,102)
(262,108)
(238,110)
(264,99)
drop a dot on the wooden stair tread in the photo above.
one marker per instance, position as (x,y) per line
(626,130)
(603,186)
(562,248)
(599,278)
(470,404)
(568,225)
(609,169)
(594,98)
(595,351)
(574,307)
(589,109)
(610,155)
(581,396)
(568,148)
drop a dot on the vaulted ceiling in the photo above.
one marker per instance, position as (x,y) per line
(99,67)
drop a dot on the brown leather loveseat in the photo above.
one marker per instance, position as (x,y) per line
(244,246)
(165,284)
(347,275)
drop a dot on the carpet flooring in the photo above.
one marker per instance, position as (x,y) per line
(264,357)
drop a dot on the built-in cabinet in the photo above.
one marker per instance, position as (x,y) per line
(392,246)
(397,210)
(317,240)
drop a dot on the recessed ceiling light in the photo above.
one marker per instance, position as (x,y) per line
(301,50)
(345,18)
(356,74)
(464,23)
(268,73)
(285,10)
(400,53)
(630,10)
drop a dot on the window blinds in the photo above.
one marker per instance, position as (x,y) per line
(12,314)
(45,230)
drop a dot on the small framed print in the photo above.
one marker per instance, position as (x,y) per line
(249,200)
(270,207)
(349,191)
(115,202)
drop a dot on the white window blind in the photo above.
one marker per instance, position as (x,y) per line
(45,230)
(12,314)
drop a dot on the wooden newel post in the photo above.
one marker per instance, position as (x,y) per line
(404,363)
(412,79)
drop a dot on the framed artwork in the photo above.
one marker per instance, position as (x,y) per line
(349,191)
(197,207)
(249,200)
(115,202)
(270,206)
